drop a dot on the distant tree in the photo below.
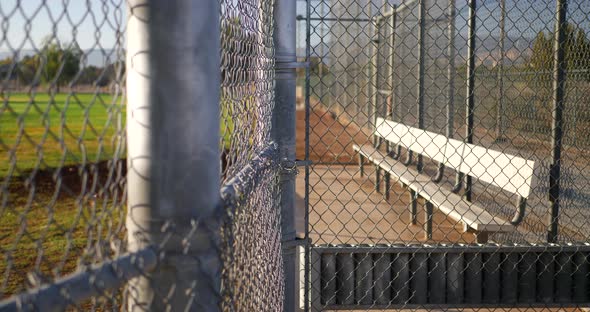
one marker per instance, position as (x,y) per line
(102,76)
(6,61)
(27,70)
(7,68)
(59,65)
(577,50)
(114,72)
(542,55)
(89,75)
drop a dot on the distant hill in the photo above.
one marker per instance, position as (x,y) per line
(518,49)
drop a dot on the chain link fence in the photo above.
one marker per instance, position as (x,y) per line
(106,203)
(253,278)
(446,139)
(452,107)
(62,159)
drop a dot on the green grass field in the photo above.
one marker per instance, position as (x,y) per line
(48,230)
(44,132)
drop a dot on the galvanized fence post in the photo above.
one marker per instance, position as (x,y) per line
(501,94)
(283,133)
(173,83)
(470,96)
(372,75)
(389,102)
(390,72)
(559,77)
(420,85)
(451,72)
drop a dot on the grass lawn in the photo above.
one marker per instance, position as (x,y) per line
(43,227)
(43,132)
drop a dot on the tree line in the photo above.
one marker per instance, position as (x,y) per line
(576,48)
(58,65)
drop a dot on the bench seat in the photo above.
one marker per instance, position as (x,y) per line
(474,218)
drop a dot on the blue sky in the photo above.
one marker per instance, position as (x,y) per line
(93,24)
(90,23)
(525,18)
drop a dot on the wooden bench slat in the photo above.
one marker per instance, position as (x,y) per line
(471,215)
(509,172)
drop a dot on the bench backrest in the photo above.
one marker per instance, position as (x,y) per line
(509,172)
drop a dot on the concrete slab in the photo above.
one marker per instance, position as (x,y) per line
(346,209)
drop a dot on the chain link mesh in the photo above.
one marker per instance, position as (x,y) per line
(253,276)
(62,141)
(407,62)
(63,170)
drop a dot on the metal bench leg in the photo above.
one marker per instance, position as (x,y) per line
(377,141)
(361,165)
(398,152)
(413,207)
(408,160)
(377,178)
(419,164)
(481,237)
(428,220)
(387,184)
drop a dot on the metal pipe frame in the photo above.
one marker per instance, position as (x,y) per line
(81,286)
(470,96)
(413,207)
(451,248)
(451,87)
(451,78)
(393,151)
(334,19)
(438,306)
(420,87)
(283,133)
(374,73)
(500,136)
(429,208)
(245,180)
(173,151)
(400,7)
(520,211)
(559,78)
(307,247)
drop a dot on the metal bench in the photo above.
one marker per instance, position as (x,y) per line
(511,173)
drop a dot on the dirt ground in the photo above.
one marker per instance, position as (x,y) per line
(330,139)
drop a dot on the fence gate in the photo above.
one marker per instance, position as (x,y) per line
(471,117)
